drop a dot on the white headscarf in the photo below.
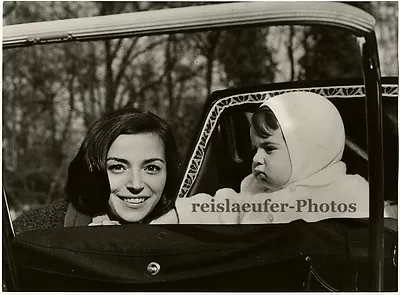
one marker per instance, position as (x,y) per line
(314,133)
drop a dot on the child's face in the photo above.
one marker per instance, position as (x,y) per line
(271,163)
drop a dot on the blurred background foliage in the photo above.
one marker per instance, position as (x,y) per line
(53,93)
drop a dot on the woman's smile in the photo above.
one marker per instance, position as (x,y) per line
(133,200)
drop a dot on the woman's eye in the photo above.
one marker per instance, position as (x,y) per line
(116,168)
(153,169)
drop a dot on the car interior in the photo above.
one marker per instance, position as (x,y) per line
(228,155)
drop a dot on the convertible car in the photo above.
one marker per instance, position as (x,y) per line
(329,255)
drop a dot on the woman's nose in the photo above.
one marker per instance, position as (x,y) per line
(135,184)
(134,190)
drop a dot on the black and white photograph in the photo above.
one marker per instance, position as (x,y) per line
(187,146)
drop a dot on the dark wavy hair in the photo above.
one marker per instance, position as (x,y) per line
(264,122)
(87,186)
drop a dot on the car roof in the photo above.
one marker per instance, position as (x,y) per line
(190,18)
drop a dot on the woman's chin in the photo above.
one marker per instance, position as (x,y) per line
(131,219)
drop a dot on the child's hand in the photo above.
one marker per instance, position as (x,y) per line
(105,222)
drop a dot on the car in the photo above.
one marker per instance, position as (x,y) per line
(329,255)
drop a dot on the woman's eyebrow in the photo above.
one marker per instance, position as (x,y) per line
(117,159)
(153,160)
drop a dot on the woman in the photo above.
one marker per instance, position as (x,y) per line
(126,170)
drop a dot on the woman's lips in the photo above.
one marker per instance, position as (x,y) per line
(133,200)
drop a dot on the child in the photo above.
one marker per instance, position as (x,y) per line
(299,140)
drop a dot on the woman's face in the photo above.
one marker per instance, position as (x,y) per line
(271,163)
(136,169)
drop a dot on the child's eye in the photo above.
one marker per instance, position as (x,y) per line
(269,149)
(152,169)
(116,168)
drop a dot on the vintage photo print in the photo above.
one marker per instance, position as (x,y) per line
(200,146)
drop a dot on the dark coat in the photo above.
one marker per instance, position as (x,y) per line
(45,217)
(59,213)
